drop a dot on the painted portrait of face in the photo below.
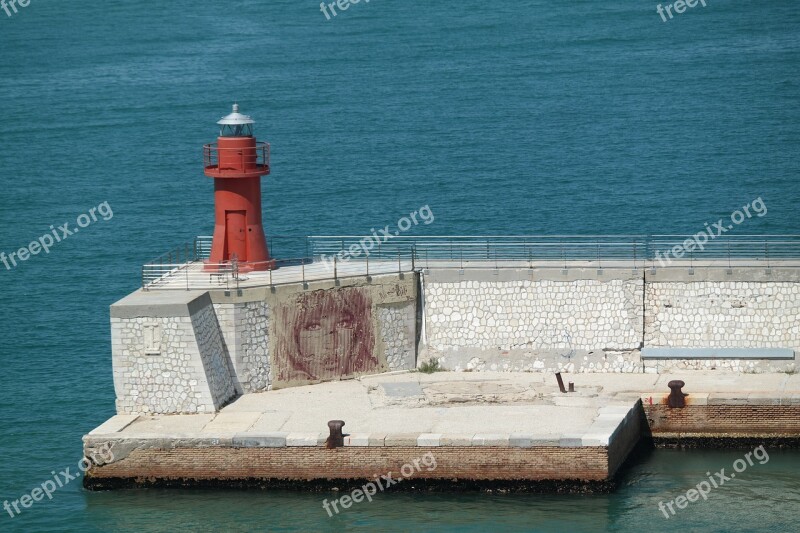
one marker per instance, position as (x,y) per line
(325,335)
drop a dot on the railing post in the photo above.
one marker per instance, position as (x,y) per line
(599,264)
(399,263)
(729,255)
(187,277)
(766,252)
(413,255)
(144,287)
(368,265)
(335,267)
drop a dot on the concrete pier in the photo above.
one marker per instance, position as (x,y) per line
(510,430)
(235,384)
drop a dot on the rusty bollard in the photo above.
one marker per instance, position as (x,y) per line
(676,398)
(336,438)
(560,382)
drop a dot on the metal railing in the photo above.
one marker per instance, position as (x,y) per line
(199,274)
(329,256)
(639,250)
(242,160)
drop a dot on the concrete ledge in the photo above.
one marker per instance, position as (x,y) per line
(304,439)
(716,353)
(357,439)
(401,439)
(264,440)
(490,439)
(456,439)
(429,439)
(159,304)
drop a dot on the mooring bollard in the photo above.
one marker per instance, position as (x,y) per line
(560,382)
(571,387)
(336,438)
(676,397)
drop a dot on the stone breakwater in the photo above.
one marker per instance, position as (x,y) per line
(195,351)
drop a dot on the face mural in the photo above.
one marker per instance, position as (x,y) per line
(325,335)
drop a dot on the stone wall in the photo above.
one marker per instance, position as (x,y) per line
(213,355)
(245,327)
(723,314)
(587,320)
(170,360)
(398,333)
(520,321)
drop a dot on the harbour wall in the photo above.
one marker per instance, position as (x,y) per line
(195,351)
(590,320)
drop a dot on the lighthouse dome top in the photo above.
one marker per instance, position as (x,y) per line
(236,124)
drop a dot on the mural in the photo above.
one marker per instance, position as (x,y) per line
(325,335)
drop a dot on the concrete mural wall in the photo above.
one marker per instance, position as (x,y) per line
(325,334)
(193,352)
(329,331)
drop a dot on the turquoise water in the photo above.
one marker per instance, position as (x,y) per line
(508,118)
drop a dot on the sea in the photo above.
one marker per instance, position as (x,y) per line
(503,118)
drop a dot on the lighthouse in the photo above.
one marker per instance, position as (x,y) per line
(236,162)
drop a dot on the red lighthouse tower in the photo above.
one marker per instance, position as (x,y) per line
(237,162)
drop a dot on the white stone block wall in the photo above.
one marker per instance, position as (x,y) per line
(398,332)
(723,314)
(534,315)
(214,356)
(172,381)
(254,370)
(734,314)
(245,329)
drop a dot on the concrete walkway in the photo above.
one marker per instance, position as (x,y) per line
(448,405)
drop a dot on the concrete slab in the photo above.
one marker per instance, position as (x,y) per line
(232,422)
(115,424)
(168,425)
(404,389)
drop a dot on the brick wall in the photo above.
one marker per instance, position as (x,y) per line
(724,420)
(307,463)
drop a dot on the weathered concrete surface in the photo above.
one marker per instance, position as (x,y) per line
(481,418)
